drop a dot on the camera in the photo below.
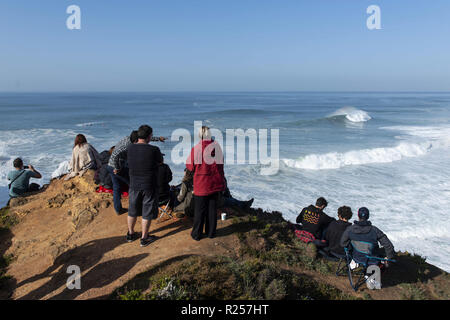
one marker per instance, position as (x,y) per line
(26,167)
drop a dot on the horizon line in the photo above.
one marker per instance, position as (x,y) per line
(225,91)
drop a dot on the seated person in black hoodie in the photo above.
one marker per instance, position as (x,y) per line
(336,229)
(164,178)
(314,220)
(363,230)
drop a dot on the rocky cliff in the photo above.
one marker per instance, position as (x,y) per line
(255,255)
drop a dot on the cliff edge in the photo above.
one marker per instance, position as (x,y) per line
(254,256)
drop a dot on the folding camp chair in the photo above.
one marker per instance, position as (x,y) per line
(361,261)
(163,208)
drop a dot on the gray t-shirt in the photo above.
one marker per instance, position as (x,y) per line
(20,185)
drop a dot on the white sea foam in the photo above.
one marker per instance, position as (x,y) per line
(433,133)
(336,160)
(43,148)
(352,114)
(89,124)
(62,169)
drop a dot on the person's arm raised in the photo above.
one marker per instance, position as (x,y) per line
(162,139)
(37,175)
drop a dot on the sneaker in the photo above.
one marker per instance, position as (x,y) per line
(353,265)
(145,242)
(131,237)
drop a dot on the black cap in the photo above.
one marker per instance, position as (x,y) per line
(363,213)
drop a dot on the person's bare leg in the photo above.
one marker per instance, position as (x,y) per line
(131,223)
(145,227)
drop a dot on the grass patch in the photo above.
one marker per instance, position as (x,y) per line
(413,292)
(4,262)
(223,278)
(7,220)
(271,239)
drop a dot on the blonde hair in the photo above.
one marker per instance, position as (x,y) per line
(204,133)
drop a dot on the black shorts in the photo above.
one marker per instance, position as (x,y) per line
(143,203)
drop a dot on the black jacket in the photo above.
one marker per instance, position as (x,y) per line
(364,231)
(164,178)
(314,220)
(102,176)
(334,234)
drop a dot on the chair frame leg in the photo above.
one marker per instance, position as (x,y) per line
(165,212)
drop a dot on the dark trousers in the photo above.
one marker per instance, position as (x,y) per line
(117,181)
(205,216)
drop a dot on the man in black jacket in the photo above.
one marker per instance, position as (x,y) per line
(143,160)
(314,220)
(336,229)
(363,230)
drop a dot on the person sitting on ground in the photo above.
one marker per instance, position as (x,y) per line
(227,200)
(336,229)
(363,230)
(118,169)
(84,157)
(164,178)
(20,179)
(314,220)
(143,162)
(183,202)
(102,177)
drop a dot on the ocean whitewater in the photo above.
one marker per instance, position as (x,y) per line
(389,152)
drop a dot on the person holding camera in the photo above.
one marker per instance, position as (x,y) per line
(20,179)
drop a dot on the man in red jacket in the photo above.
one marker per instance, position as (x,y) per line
(206,161)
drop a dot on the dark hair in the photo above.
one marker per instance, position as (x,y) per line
(17,163)
(321,202)
(363,213)
(79,140)
(188,175)
(144,131)
(134,136)
(345,212)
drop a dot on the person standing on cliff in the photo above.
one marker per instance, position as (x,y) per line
(118,168)
(143,162)
(206,161)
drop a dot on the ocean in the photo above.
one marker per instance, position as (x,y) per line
(388,152)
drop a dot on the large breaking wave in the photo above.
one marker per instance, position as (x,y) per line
(336,160)
(351,114)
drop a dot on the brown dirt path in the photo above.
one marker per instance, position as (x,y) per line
(46,242)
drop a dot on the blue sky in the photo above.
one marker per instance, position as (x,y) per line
(218,45)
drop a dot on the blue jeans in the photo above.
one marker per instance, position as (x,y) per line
(117,181)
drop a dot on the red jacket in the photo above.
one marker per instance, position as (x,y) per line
(206,161)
